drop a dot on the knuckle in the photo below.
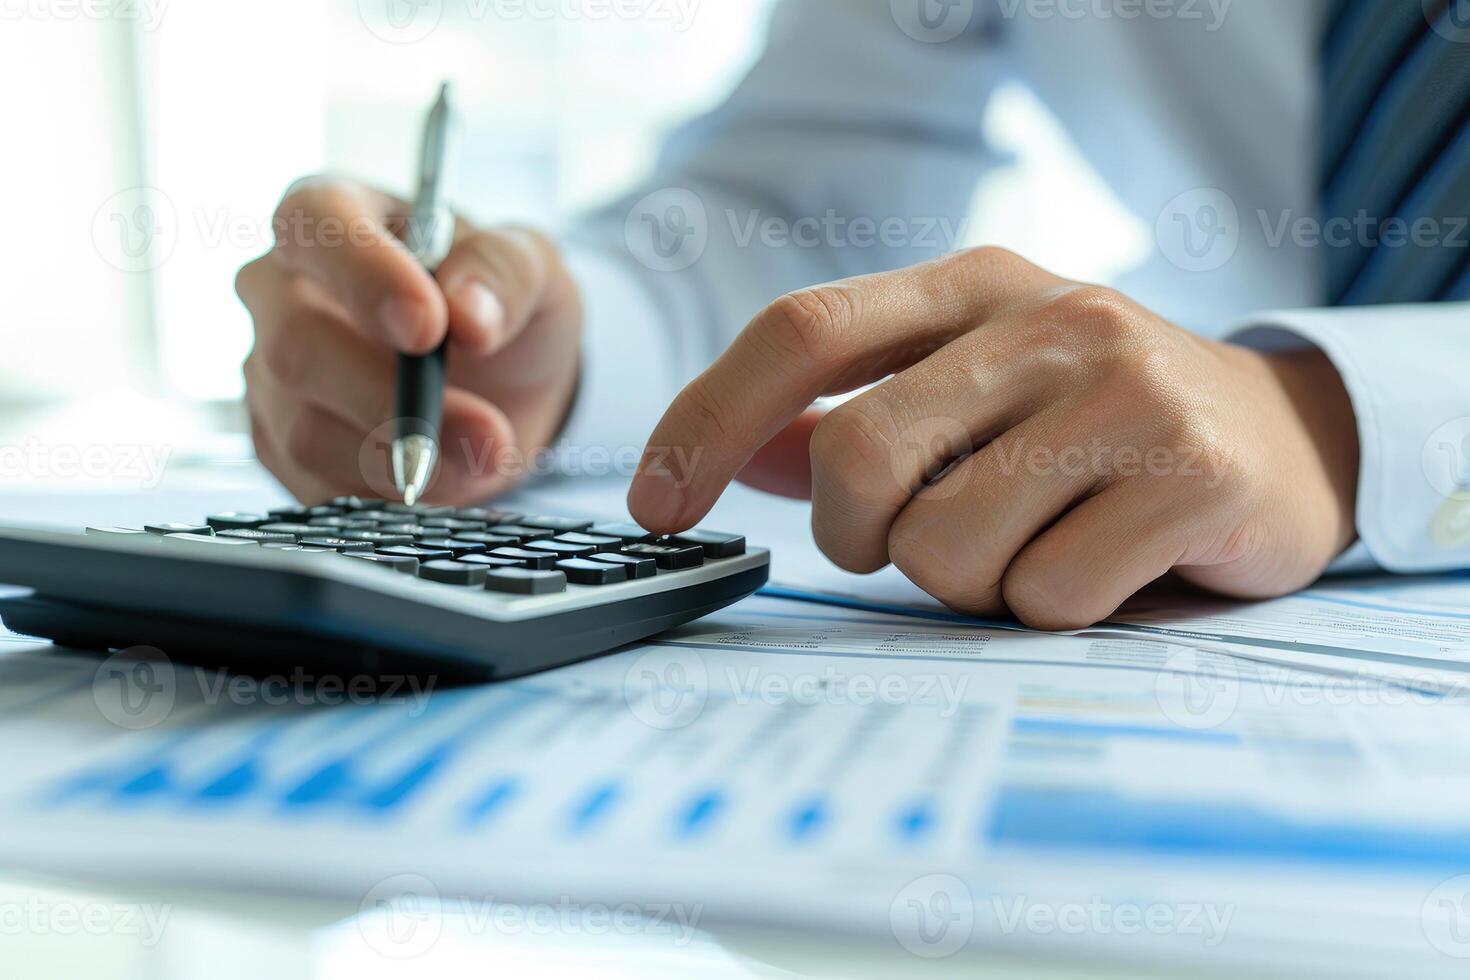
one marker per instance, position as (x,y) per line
(854,449)
(707,412)
(932,566)
(990,262)
(284,357)
(304,442)
(250,278)
(1040,601)
(808,326)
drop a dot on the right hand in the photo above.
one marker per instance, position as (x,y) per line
(339,296)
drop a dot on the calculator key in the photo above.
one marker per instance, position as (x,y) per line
(561,525)
(343,523)
(524,581)
(378,516)
(596,540)
(222,540)
(520,532)
(715,543)
(626,533)
(325,510)
(488,516)
(282,546)
(490,561)
(288,512)
(258,536)
(122,532)
(528,559)
(563,549)
(412,551)
(289,527)
(580,571)
(453,524)
(453,572)
(669,557)
(336,544)
(175,528)
(457,548)
(487,539)
(357,503)
(382,539)
(401,563)
(409,527)
(637,567)
(419,510)
(235,521)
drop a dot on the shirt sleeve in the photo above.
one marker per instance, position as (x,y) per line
(1405,370)
(853,146)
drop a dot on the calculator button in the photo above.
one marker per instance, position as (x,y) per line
(357,503)
(520,532)
(409,527)
(401,563)
(453,572)
(596,540)
(524,581)
(457,548)
(258,535)
(206,539)
(491,561)
(382,539)
(173,528)
(336,544)
(419,510)
(715,543)
(487,539)
(235,521)
(626,533)
(580,571)
(289,513)
(563,549)
(669,557)
(287,527)
(325,510)
(488,516)
(453,524)
(122,532)
(637,567)
(422,554)
(528,559)
(561,525)
(377,516)
(343,523)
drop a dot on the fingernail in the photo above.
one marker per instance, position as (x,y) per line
(403,319)
(655,500)
(483,307)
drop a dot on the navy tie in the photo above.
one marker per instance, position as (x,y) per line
(1396,151)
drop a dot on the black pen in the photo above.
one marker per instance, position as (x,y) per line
(421,378)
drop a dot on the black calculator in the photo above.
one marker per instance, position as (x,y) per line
(370,586)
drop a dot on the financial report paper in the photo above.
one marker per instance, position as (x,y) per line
(935,785)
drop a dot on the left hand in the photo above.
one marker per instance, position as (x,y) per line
(1046,448)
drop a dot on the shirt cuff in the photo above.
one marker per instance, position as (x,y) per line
(1404,370)
(629,374)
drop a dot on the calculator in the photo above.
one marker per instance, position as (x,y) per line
(368,586)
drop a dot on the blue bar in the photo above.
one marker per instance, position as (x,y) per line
(1047,726)
(701,813)
(594,806)
(915,822)
(1100,820)
(808,820)
(490,801)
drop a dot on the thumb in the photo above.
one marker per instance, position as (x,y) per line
(783,466)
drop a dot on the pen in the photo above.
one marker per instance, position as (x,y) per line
(421,378)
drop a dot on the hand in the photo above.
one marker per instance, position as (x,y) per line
(339,296)
(1045,448)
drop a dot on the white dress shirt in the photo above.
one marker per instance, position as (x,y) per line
(1201,115)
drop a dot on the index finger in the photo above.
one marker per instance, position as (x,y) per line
(819,341)
(338,234)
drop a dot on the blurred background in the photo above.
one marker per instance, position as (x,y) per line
(151,139)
